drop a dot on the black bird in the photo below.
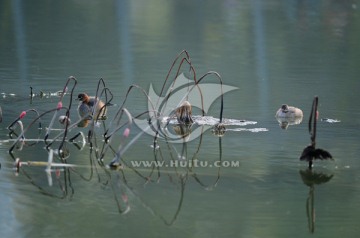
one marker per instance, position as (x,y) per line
(310,153)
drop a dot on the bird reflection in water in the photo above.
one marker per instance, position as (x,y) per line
(288,115)
(310,179)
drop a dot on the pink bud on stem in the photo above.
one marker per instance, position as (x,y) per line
(59,105)
(126,132)
(22,114)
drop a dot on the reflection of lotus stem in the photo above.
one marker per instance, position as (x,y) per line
(219,129)
(311,179)
(64,132)
(48,164)
(310,210)
(30,125)
(125,135)
(21,126)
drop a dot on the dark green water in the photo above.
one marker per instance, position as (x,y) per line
(274,52)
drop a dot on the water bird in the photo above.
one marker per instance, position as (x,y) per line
(286,111)
(184,113)
(86,108)
(311,153)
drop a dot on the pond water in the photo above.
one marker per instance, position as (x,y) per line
(273,52)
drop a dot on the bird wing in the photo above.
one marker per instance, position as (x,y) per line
(322,154)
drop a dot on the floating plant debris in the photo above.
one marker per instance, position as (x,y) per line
(211,121)
(329,120)
(255,130)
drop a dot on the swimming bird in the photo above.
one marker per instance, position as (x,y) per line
(286,111)
(86,107)
(183,113)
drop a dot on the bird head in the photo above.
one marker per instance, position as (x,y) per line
(83,97)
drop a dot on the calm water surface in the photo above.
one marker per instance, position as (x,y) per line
(275,52)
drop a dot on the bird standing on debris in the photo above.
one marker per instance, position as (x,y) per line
(183,113)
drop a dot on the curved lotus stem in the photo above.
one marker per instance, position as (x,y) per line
(59,105)
(22,115)
(30,125)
